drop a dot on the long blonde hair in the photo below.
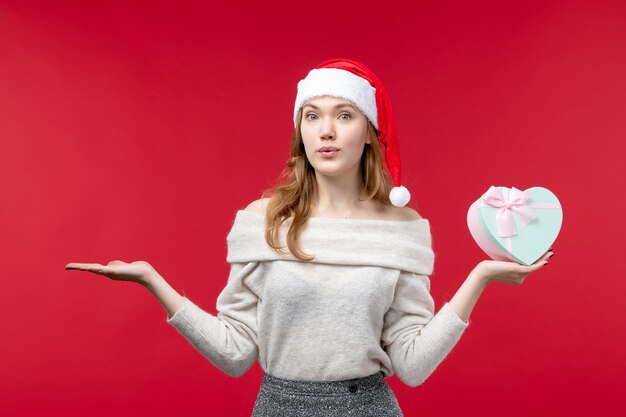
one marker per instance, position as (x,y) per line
(292,195)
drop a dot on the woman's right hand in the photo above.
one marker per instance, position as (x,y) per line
(140,272)
(509,272)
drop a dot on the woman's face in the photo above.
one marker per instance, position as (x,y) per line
(335,122)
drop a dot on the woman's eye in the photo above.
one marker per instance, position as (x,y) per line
(345,114)
(310,114)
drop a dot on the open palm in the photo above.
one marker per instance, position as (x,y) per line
(138,271)
(511,272)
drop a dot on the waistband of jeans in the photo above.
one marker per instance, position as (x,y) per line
(323,387)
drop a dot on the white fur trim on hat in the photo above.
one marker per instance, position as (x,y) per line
(337,83)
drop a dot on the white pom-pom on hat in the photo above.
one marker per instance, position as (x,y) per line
(399,196)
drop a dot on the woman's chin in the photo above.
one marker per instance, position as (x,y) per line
(329,172)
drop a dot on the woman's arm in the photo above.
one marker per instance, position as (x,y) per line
(228,339)
(140,272)
(416,339)
(487,272)
(467,295)
(169,298)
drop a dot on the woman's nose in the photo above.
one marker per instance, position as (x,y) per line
(327,129)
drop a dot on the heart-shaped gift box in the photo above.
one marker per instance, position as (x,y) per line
(513,225)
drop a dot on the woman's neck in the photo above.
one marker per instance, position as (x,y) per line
(365,209)
(339,196)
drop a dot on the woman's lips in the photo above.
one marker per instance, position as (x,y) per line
(329,154)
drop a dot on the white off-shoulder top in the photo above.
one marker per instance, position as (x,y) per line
(363,304)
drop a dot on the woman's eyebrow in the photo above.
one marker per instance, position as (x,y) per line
(336,107)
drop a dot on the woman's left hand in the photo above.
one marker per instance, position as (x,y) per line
(509,272)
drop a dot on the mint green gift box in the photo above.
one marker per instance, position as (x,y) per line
(513,225)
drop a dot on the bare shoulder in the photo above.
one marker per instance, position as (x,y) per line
(258,206)
(380,211)
(404,213)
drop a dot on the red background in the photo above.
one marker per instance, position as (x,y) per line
(135,132)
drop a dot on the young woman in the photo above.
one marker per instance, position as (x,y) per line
(346,303)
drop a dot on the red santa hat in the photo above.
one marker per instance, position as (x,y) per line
(353,81)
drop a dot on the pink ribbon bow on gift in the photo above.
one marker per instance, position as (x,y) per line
(514,204)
